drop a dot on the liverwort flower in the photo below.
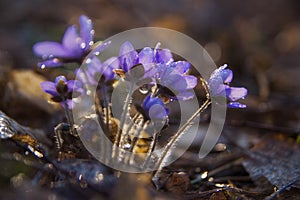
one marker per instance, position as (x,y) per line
(62,91)
(73,48)
(129,58)
(171,77)
(154,109)
(96,71)
(174,83)
(218,84)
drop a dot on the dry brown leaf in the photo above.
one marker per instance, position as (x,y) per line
(276,158)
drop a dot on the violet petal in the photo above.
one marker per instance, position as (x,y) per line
(191,81)
(72,42)
(235,93)
(50,63)
(86,31)
(163,56)
(236,105)
(50,49)
(128,56)
(49,87)
(181,66)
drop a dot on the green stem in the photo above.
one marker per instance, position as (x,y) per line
(182,130)
(120,135)
(69,117)
(151,149)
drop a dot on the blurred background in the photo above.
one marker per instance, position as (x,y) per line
(259,40)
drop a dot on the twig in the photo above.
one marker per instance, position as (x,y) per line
(275,194)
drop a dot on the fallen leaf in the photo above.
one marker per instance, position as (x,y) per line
(276,158)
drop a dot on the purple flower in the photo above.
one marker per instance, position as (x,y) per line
(154,109)
(219,85)
(171,77)
(173,81)
(97,71)
(128,56)
(162,56)
(74,47)
(147,57)
(62,90)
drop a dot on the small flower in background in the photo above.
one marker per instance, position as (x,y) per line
(74,46)
(96,71)
(62,91)
(219,85)
(154,109)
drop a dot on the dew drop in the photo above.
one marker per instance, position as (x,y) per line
(99,177)
(82,45)
(204,175)
(88,61)
(127,146)
(43,66)
(144,90)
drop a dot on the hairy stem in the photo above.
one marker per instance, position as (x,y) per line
(182,130)
(120,135)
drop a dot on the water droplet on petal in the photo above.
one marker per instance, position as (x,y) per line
(43,66)
(82,45)
(88,61)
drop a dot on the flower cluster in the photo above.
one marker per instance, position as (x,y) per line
(155,69)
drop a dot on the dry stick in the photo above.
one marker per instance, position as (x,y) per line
(225,188)
(182,130)
(275,194)
(217,170)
